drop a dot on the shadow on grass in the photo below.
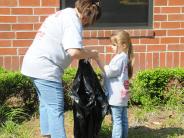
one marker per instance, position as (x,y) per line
(145,132)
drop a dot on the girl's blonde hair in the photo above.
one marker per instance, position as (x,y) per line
(90,9)
(120,38)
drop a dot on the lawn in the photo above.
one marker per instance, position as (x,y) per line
(156,123)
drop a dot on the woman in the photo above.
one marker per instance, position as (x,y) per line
(57,43)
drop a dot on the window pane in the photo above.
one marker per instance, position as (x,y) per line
(122,13)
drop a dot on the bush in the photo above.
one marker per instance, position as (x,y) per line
(153,87)
(17,90)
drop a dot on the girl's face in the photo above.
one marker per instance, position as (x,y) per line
(119,48)
(114,48)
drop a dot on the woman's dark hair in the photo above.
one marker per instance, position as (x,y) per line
(90,9)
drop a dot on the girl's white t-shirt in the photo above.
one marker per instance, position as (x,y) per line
(47,58)
(116,80)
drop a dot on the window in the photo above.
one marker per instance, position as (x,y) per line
(122,13)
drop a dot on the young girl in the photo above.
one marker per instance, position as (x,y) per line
(117,75)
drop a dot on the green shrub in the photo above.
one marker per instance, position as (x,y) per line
(17,90)
(68,78)
(151,87)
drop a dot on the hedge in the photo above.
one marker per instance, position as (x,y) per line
(158,86)
(148,88)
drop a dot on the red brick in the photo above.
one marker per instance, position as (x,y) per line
(142,60)
(181,59)
(22,51)
(176,17)
(90,42)
(156,25)
(182,24)
(25,35)
(51,3)
(175,2)
(86,33)
(5,43)
(135,41)
(170,25)
(149,60)
(42,18)
(101,33)
(1,61)
(149,41)
(170,9)
(182,40)
(169,40)
(155,60)
(22,43)
(8,3)
(108,49)
(5,27)
(5,11)
(162,59)
(37,26)
(160,18)
(7,62)
(153,48)
(169,59)
(21,59)
(108,33)
(176,59)
(7,35)
(29,3)
(15,63)
(160,32)
(102,57)
(157,10)
(175,32)
(23,11)
(93,33)
(8,51)
(108,58)
(160,2)
(8,19)
(104,42)
(28,19)
(139,48)
(43,11)
(176,47)
(22,27)
(136,62)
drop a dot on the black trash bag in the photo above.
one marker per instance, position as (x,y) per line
(90,104)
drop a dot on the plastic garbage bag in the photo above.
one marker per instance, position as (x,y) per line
(90,104)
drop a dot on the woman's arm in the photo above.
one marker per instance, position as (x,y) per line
(76,53)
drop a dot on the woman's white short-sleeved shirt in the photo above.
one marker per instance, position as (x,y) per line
(47,58)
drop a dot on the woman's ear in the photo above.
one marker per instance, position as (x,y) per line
(84,19)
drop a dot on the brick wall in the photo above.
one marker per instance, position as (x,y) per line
(162,46)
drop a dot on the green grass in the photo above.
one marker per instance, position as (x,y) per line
(161,122)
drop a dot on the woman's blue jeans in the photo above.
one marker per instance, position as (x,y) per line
(120,122)
(51,107)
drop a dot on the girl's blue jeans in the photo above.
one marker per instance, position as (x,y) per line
(51,107)
(120,122)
